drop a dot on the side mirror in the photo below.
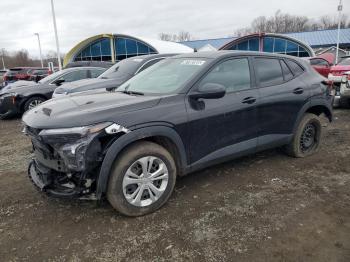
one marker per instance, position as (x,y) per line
(59,82)
(111,88)
(209,91)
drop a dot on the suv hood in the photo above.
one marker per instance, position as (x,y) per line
(88,84)
(18,85)
(81,110)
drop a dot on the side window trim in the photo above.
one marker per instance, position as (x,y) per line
(284,77)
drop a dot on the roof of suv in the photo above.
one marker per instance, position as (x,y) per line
(223,53)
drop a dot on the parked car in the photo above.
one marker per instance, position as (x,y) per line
(321,65)
(22,96)
(337,71)
(114,76)
(18,73)
(343,94)
(38,74)
(183,114)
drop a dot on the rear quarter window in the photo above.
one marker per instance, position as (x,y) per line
(295,67)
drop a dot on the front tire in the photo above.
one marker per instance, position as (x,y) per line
(33,102)
(307,138)
(142,179)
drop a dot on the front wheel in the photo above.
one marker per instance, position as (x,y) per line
(33,102)
(142,179)
(306,139)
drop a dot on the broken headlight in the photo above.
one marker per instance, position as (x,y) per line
(72,143)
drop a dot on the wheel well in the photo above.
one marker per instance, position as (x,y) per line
(169,145)
(318,110)
(36,95)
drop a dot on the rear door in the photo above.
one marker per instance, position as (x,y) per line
(228,125)
(282,95)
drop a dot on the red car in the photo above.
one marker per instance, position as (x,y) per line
(18,73)
(337,71)
(321,65)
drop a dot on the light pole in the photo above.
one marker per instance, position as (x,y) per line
(340,8)
(56,36)
(2,58)
(41,56)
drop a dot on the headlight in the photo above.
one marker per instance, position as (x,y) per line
(81,131)
(72,143)
(9,95)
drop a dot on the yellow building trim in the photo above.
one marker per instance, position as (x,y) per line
(69,56)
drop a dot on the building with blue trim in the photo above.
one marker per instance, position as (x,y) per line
(297,44)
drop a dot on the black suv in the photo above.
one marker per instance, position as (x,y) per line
(183,114)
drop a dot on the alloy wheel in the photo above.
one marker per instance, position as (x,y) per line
(34,103)
(145,181)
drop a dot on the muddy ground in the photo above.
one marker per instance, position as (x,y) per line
(265,207)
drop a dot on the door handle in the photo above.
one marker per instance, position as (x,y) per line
(298,91)
(249,100)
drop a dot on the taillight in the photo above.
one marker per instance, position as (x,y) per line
(330,86)
(5,77)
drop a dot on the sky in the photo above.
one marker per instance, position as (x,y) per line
(79,19)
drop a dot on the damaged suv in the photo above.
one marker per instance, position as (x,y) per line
(183,114)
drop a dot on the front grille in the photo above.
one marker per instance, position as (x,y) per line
(33,132)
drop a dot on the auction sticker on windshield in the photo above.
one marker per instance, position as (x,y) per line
(193,62)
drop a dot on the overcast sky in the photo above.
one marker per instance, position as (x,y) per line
(79,19)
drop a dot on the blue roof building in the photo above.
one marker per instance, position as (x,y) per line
(283,44)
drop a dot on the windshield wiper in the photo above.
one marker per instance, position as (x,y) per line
(130,92)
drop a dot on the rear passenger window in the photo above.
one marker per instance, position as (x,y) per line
(296,69)
(286,71)
(233,74)
(269,71)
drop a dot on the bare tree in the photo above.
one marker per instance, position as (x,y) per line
(184,36)
(286,23)
(180,37)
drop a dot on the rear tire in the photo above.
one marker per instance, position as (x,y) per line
(33,102)
(307,138)
(133,190)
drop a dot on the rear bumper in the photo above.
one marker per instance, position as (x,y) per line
(334,78)
(345,89)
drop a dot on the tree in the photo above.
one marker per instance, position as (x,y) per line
(180,37)
(286,23)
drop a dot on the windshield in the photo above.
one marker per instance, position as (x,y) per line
(345,61)
(123,68)
(165,77)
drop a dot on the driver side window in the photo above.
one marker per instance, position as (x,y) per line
(74,76)
(233,74)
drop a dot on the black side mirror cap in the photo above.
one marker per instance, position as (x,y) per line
(59,82)
(209,91)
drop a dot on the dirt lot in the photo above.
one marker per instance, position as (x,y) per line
(266,207)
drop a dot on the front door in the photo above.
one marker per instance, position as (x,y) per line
(222,127)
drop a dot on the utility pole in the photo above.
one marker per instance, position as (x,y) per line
(41,56)
(56,36)
(340,8)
